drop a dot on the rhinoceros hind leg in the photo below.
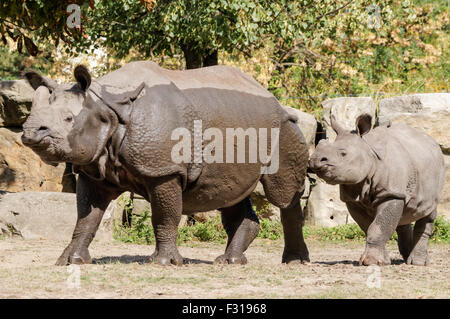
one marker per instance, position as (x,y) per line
(242,226)
(292,218)
(423,229)
(405,240)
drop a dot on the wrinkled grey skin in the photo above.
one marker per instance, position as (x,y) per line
(389,177)
(117,133)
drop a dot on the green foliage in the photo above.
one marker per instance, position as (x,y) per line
(270,229)
(338,233)
(141,232)
(14,63)
(30,22)
(441,231)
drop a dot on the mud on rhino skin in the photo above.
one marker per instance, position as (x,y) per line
(116,131)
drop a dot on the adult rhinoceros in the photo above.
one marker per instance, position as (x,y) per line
(118,131)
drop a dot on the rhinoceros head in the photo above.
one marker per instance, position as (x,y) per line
(54,108)
(348,160)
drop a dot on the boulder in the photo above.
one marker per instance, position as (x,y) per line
(346,110)
(444,203)
(15,102)
(45,215)
(324,207)
(22,170)
(307,124)
(430,113)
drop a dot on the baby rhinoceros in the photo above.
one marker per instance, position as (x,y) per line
(389,177)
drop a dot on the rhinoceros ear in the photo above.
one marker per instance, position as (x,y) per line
(363,124)
(121,103)
(335,125)
(36,80)
(81,74)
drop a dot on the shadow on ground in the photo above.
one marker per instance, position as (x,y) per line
(129,259)
(353,262)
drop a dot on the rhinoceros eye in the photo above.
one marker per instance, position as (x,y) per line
(68,119)
(343,154)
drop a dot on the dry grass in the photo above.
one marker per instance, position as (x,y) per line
(27,271)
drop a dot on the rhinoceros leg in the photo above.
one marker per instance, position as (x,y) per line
(293,219)
(166,202)
(92,200)
(405,240)
(242,226)
(360,215)
(380,231)
(284,188)
(423,229)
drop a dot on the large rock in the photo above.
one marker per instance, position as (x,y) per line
(45,215)
(22,170)
(324,207)
(430,113)
(15,102)
(444,203)
(307,124)
(346,110)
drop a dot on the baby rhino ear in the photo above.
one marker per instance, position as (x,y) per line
(363,124)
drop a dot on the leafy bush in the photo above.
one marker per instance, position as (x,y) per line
(441,232)
(141,231)
(270,229)
(338,233)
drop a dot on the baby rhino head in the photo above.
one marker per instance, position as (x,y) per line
(348,160)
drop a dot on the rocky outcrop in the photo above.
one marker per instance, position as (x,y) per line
(324,207)
(346,110)
(430,113)
(22,170)
(307,124)
(15,102)
(45,215)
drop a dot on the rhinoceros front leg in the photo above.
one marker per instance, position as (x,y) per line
(166,202)
(92,201)
(380,231)
(423,229)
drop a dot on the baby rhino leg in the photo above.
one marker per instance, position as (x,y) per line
(405,240)
(423,229)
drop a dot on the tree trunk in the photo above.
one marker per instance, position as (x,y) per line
(211,59)
(195,59)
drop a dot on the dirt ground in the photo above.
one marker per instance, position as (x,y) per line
(121,271)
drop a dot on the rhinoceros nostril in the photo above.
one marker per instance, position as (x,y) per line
(43,128)
(324,159)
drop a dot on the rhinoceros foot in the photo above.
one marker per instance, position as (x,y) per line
(231,259)
(167,257)
(418,259)
(375,256)
(295,258)
(72,255)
